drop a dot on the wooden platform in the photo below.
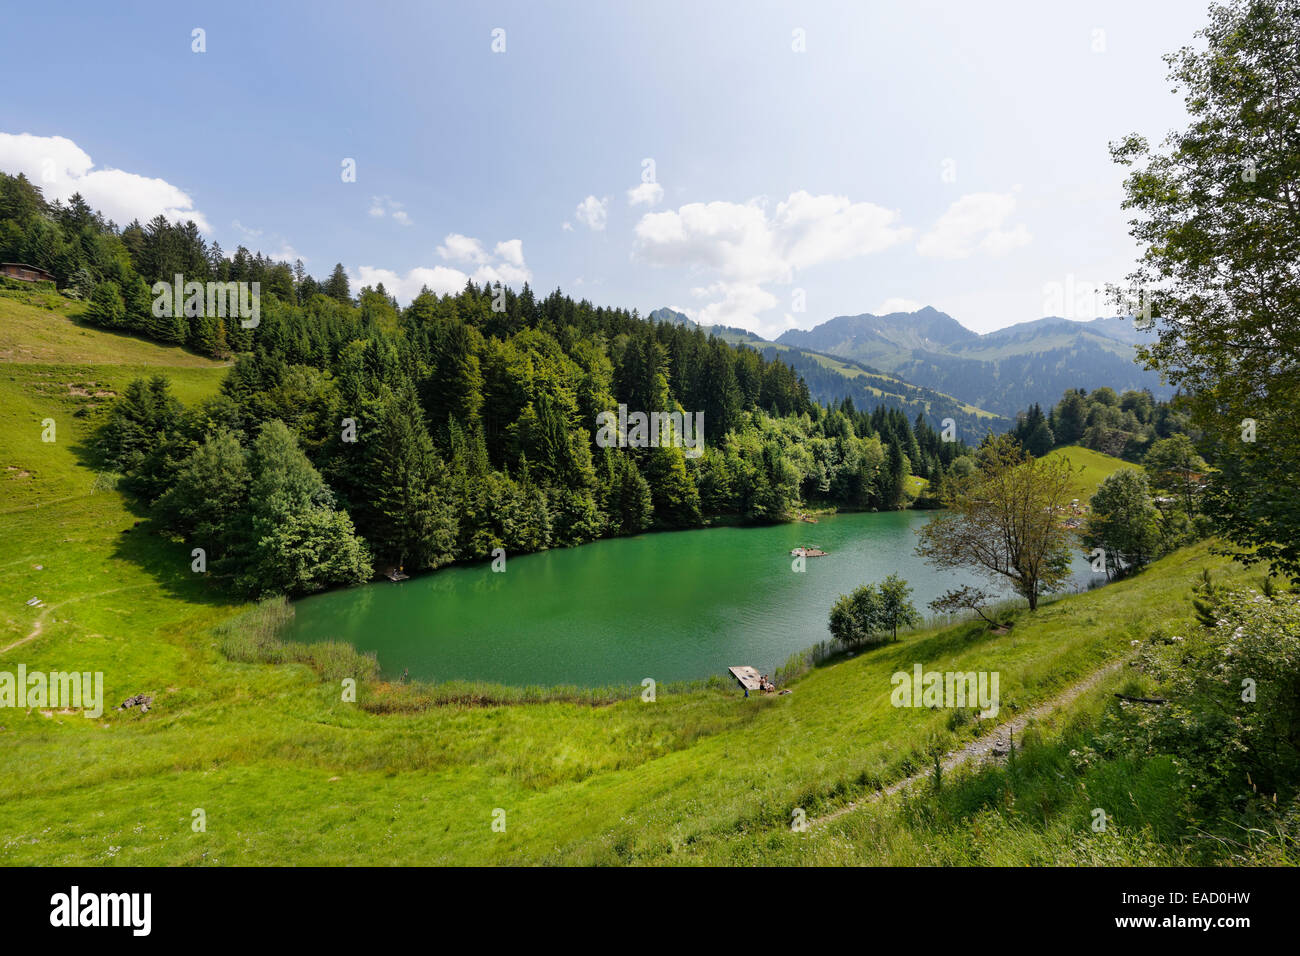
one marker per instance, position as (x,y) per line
(746,676)
(808,552)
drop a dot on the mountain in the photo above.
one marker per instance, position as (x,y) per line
(1003,371)
(871,338)
(672,317)
(831,379)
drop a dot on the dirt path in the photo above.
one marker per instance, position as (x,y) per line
(984,748)
(36,632)
(40,621)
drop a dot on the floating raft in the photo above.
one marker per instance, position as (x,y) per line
(746,677)
(808,552)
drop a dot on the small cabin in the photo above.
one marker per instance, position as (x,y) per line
(24,272)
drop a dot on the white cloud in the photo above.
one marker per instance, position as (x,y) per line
(646,194)
(896,304)
(736,304)
(60,167)
(999,243)
(381,206)
(566,226)
(592,213)
(975,223)
(505,265)
(458,248)
(441,280)
(747,248)
(512,251)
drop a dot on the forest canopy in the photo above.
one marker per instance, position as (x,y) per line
(353,435)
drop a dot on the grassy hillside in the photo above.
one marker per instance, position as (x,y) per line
(1090,467)
(42,328)
(54,367)
(285,772)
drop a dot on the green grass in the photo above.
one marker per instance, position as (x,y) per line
(43,328)
(287,772)
(54,367)
(1091,468)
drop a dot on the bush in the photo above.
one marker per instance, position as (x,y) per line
(1232,721)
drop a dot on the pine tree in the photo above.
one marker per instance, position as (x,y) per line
(414,525)
(337,287)
(107,308)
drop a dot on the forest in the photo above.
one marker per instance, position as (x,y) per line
(352,436)
(1125,425)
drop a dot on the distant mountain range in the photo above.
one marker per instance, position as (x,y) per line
(831,379)
(1002,372)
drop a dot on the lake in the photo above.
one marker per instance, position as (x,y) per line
(671,606)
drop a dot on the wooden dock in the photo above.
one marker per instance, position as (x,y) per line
(746,676)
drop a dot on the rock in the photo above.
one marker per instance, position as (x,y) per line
(139,700)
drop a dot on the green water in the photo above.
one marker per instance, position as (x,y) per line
(671,606)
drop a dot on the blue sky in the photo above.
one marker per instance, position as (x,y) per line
(949,154)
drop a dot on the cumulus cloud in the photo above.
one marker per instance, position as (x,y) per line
(61,167)
(747,246)
(512,251)
(736,304)
(458,248)
(505,264)
(441,280)
(646,194)
(976,222)
(592,213)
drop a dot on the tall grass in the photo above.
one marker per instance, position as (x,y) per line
(253,638)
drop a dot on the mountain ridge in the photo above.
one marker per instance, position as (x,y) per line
(1003,371)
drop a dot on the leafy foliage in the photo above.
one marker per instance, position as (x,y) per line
(1006,520)
(1123,523)
(1232,721)
(1215,210)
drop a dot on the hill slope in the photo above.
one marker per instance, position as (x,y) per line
(286,772)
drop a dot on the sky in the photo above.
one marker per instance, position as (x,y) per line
(761,165)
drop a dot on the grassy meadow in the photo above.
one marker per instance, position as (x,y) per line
(285,771)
